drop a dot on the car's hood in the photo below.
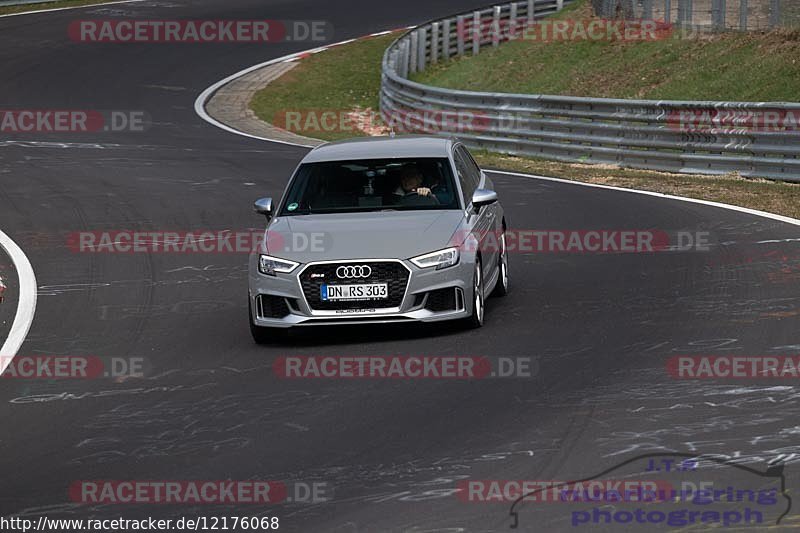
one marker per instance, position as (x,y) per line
(381,235)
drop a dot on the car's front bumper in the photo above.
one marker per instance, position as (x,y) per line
(427,297)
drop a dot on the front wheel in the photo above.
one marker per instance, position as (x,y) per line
(475,320)
(501,288)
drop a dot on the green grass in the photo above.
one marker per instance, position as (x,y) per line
(770,196)
(339,79)
(731,66)
(49,5)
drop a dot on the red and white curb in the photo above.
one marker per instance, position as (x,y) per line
(205,96)
(309,53)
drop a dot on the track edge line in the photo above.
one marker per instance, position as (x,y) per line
(747,210)
(26,306)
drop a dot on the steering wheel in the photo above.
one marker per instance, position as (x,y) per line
(416,198)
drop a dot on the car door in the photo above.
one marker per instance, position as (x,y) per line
(482,224)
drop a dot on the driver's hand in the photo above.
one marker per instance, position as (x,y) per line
(423,191)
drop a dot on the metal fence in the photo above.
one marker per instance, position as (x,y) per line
(705,14)
(754,139)
(711,14)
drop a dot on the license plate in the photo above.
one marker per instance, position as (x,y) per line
(366,291)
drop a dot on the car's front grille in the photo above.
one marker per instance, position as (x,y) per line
(391,272)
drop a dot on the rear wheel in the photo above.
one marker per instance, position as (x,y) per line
(475,320)
(501,288)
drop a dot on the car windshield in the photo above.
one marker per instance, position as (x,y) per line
(371,185)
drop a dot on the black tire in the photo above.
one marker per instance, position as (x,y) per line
(475,320)
(501,287)
(262,335)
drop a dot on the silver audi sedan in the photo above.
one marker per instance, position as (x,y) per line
(384,229)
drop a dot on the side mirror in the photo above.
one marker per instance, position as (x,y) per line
(263,206)
(482,197)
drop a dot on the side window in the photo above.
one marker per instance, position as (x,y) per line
(466,174)
(474,169)
(461,169)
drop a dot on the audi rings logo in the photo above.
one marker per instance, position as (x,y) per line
(353,272)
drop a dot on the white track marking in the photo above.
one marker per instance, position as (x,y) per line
(52,9)
(755,212)
(26,307)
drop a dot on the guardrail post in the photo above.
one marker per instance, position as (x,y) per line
(406,58)
(446,40)
(685,12)
(667,11)
(512,22)
(716,11)
(422,45)
(461,31)
(647,8)
(743,15)
(476,33)
(413,52)
(400,60)
(775,13)
(394,61)
(559,5)
(434,43)
(531,10)
(496,27)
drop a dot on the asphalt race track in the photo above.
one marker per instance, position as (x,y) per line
(390,451)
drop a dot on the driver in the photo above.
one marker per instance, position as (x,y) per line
(411,182)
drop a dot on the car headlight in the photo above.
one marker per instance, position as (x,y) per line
(441,259)
(270,265)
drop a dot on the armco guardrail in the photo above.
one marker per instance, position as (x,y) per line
(753,139)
